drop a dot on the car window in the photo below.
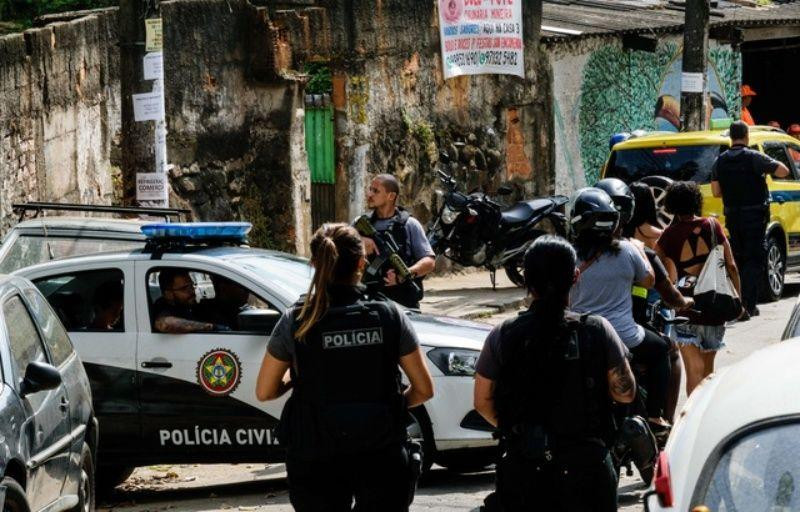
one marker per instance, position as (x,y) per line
(26,346)
(759,471)
(201,297)
(55,336)
(88,301)
(683,163)
(27,250)
(794,155)
(778,152)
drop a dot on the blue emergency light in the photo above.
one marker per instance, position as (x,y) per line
(198,231)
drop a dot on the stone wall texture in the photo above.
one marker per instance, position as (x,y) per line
(59,113)
(235,124)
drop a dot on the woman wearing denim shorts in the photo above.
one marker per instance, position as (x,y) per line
(684,247)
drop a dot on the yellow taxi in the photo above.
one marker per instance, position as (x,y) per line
(658,158)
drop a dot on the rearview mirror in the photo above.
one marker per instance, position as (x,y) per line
(39,377)
(258,320)
(504,191)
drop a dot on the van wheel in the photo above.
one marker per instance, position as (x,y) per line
(111,476)
(420,430)
(659,184)
(772,283)
(86,484)
(15,496)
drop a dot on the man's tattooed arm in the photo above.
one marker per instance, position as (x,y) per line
(177,325)
(621,383)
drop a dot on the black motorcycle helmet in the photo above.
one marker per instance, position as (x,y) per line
(591,210)
(621,195)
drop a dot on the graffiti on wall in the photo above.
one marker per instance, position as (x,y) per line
(623,91)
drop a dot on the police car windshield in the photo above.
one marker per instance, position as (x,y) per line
(682,163)
(290,274)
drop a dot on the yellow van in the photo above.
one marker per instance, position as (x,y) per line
(658,158)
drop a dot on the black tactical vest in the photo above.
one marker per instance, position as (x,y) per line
(403,294)
(559,386)
(742,186)
(347,395)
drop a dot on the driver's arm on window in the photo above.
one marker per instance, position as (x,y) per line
(176,325)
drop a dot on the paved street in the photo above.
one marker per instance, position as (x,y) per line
(257,487)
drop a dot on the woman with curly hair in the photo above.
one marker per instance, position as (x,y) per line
(684,247)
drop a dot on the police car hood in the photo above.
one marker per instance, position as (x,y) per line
(444,331)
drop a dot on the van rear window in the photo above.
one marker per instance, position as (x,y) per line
(681,163)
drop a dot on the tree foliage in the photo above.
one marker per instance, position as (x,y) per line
(22,12)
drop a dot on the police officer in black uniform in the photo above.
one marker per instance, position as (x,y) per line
(547,379)
(739,178)
(415,250)
(344,426)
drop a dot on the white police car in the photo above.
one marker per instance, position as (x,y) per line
(189,398)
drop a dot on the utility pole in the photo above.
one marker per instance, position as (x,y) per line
(143,142)
(695,60)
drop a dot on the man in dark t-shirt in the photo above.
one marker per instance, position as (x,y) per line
(739,178)
(175,312)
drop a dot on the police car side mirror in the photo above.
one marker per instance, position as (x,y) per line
(258,320)
(39,377)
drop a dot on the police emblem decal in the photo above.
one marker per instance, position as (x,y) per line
(219,372)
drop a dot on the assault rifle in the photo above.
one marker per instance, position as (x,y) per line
(388,250)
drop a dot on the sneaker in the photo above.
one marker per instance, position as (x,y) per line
(744,317)
(754,311)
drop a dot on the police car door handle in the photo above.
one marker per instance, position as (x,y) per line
(156,364)
(64,405)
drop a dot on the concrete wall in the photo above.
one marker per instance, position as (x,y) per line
(599,89)
(59,113)
(236,136)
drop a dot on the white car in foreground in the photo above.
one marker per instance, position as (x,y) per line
(736,445)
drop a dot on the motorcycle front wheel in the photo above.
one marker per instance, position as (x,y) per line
(515,268)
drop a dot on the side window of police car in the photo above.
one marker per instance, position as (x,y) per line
(88,301)
(26,346)
(206,302)
(777,150)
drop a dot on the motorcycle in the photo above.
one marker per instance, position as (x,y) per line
(475,231)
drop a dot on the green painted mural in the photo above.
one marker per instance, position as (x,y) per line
(623,91)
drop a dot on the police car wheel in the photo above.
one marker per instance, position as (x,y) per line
(86,484)
(108,477)
(15,496)
(419,429)
(775,270)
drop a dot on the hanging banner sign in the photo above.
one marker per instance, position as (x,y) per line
(153,37)
(153,65)
(151,186)
(481,37)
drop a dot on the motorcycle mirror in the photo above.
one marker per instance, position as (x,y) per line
(504,190)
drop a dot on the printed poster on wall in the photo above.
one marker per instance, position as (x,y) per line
(481,37)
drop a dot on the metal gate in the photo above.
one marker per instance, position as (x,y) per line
(321,161)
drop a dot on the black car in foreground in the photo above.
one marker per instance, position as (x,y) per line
(48,431)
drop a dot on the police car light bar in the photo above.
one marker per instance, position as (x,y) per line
(198,231)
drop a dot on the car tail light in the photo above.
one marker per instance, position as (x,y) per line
(665,151)
(663,480)
(471,219)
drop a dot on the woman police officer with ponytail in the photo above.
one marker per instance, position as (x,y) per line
(546,380)
(344,425)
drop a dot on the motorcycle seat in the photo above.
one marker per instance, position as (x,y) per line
(524,211)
